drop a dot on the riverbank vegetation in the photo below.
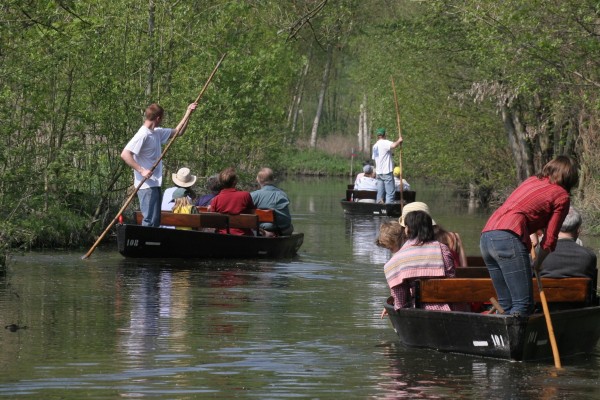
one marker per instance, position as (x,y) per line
(487,93)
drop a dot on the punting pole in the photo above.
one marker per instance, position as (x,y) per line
(553,344)
(132,195)
(399,135)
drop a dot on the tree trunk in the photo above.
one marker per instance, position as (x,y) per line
(298,95)
(151,48)
(315,127)
(517,140)
(366,136)
(361,133)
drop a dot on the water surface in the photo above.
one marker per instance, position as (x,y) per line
(307,327)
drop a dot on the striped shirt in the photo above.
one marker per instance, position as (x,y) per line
(535,204)
(432,259)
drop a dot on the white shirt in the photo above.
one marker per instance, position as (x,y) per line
(382,154)
(167,197)
(146,146)
(405,186)
(366,183)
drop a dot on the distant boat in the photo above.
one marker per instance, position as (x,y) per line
(139,241)
(576,328)
(351,204)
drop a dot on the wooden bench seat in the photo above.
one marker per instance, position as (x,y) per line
(244,221)
(472,272)
(566,290)
(351,194)
(264,215)
(194,221)
(214,220)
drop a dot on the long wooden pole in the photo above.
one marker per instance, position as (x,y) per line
(399,135)
(352,166)
(553,344)
(132,195)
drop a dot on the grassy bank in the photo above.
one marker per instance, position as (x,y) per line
(332,158)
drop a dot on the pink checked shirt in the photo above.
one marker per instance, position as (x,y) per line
(403,293)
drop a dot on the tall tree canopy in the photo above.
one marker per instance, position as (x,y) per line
(488,92)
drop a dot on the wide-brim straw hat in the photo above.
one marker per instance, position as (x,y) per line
(184,178)
(414,206)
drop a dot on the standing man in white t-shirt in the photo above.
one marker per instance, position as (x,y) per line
(384,166)
(142,152)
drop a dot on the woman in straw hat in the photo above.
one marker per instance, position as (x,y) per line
(450,239)
(421,256)
(182,179)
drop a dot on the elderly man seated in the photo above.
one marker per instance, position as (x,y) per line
(570,259)
(270,196)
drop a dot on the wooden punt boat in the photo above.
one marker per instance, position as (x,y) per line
(352,205)
(134,240)
(575,316)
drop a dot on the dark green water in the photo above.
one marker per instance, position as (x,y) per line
(304,328)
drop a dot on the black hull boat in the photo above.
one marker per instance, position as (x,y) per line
(354,203)
(498,336)
(146,242)
(574,312)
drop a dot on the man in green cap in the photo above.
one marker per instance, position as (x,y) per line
(384,166)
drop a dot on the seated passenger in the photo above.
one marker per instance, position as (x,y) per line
(366,166)
(419,257)
(405,185)
(182,205)
(182,179)
(569,259)
(232,201)
(367,182)
(450,239)
(270,196)
(213,186)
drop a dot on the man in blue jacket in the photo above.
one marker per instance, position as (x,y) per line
(270,196)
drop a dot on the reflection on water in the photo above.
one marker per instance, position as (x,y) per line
(364,231)
(158,301)
(303,328)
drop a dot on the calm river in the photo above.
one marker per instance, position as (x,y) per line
(309,328)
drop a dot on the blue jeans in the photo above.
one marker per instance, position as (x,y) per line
(150,201)
(507,260)
(385,184)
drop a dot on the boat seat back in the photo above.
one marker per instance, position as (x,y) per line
(194,221)
(264,214)
(362,194)
(472,272)
(408,195)
(244,221)
(458,290)
(475,261)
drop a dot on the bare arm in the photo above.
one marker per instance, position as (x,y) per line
(127,156)
(396,143)
(182,125)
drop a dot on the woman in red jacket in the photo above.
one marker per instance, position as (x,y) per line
(540,202)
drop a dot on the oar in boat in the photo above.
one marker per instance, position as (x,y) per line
(553,344)
(132,195)
(399,135)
